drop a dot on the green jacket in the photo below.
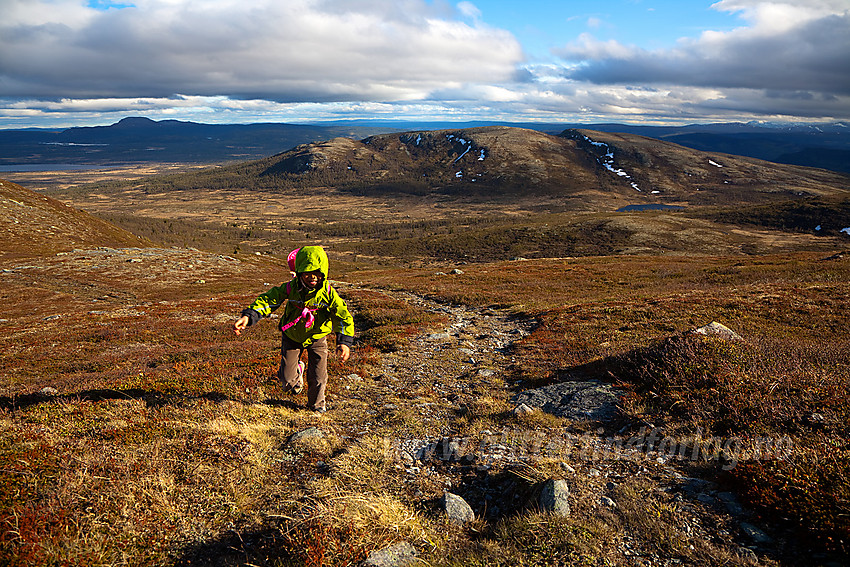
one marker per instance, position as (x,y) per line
(324,303)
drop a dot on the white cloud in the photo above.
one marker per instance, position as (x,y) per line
(298,50)
(469,10)
(303,60)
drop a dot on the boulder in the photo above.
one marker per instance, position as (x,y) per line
(577,400)
(718,330)
(554,497)
(457,510)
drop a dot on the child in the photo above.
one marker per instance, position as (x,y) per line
(313,310)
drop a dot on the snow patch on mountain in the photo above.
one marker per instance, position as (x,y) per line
(607,161)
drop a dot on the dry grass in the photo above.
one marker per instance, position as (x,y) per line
(168,445)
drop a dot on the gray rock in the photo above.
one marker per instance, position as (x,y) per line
(730,501)
(306,435)
(756,534)
(695,486)
(522,409)
(457,510)
(554,497)
(718,330)
(397,555)
(456,272)
(48,392)
(439,337)
(578,400)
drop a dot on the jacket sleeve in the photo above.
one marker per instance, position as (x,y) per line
(265,304)
(342,319)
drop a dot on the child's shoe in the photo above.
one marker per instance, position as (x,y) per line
(299,387)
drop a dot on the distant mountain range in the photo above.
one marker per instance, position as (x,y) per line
(139,140)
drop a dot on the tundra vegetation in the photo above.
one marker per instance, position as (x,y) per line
(136,429)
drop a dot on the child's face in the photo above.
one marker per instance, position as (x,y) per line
(311,279)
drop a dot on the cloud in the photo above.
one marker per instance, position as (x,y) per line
(784,47)
(298,50)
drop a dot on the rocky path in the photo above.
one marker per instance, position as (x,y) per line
(459,362)
(444,373)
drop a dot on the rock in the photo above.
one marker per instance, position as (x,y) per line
(756,534)
(439,337)
(522,409)
(457,510)
(354,377)
(456,272)
(577,400)
(718,330)
(397,555)
(554,497)
(306,435)
(694,486)
(485,372)
(48,392)
(607,502)
(730,501)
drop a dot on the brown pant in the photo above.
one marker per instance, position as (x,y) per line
(317,368)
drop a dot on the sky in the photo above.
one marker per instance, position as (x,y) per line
(92,62)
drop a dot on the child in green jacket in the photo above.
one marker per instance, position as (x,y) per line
(313,310)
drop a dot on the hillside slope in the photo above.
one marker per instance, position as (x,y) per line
(588,171)
(35,225)
(482,194)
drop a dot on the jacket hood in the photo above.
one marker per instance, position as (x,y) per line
(311,258)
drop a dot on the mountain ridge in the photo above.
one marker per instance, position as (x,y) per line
(139,139)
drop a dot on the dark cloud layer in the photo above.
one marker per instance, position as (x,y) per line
(814,57)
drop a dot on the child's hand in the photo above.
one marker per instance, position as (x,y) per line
(240,324)
(343,352)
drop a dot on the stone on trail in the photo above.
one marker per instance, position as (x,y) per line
(439,337)
(400,554)
(522,409)
(457,510)
(554,497)
(572,399)
(306,435)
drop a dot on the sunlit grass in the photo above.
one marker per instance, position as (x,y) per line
(168,435)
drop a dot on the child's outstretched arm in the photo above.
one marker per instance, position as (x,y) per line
(241,324)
